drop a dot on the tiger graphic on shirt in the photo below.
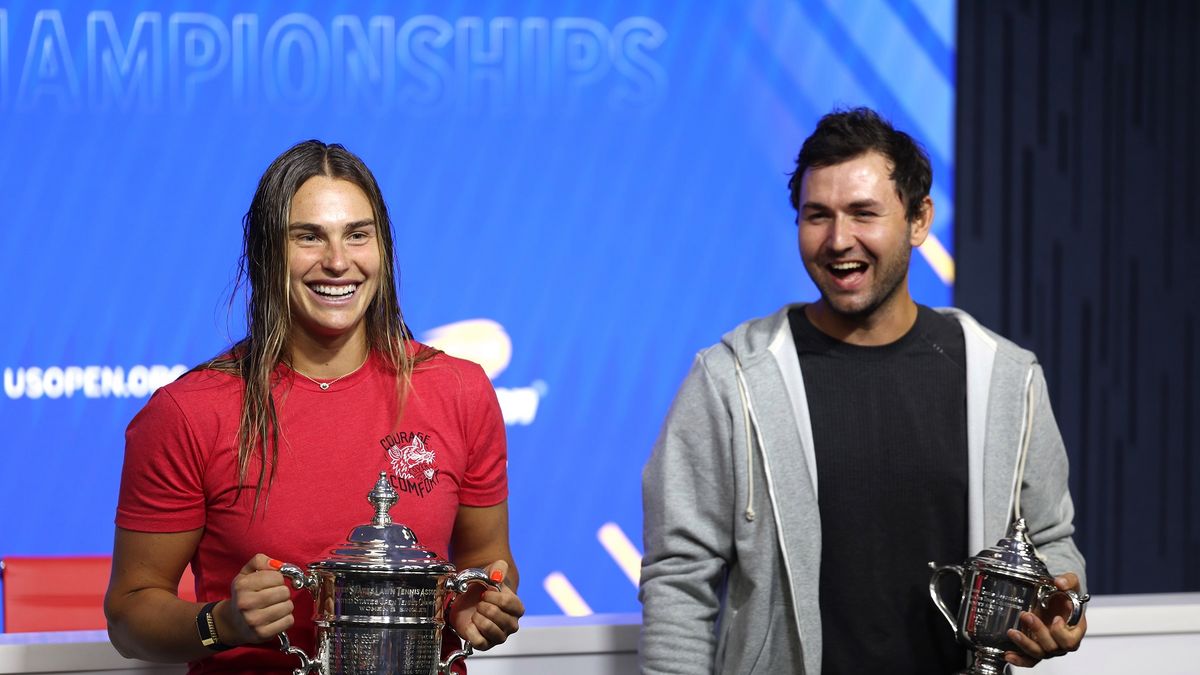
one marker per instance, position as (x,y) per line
(413,461)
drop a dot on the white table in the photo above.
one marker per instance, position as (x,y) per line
(1141,634)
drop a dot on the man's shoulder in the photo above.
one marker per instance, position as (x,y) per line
(973,330)
(751,338)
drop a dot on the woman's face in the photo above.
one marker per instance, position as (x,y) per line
(333,258)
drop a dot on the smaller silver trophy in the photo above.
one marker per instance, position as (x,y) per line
(997,585)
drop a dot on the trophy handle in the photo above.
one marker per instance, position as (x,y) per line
(458,585)
(938,571)
(307,665)
(1077,603)
(299,581)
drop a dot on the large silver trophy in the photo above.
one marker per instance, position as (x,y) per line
(382,601)
(997,585)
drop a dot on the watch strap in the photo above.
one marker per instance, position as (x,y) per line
(206,626)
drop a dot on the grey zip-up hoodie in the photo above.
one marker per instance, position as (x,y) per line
(732,530)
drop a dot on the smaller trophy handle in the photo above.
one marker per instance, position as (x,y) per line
(1077,603)
(457,586)
(938,571)
(299,580)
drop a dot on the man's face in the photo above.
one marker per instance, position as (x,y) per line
(854,239)
(333,258)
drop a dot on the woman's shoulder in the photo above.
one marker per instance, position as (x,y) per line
(204,385)
(451,375)
(198,399)
(428,360)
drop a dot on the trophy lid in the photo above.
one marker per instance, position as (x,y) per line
(1014,555)
(383,546)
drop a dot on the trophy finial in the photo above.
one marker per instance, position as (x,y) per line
(1018,531)
(382,497)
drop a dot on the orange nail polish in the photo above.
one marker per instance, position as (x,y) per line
(497,576)
(275,564)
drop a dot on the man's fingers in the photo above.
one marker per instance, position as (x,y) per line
(1059,605)
(1067,637)
(1021,660)
(1067,582)
(1028,646)
(1040,634)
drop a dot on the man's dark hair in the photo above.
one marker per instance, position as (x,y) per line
(843,135)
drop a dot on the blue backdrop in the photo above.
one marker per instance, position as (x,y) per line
(584,194)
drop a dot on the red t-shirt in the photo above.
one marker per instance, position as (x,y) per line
(180,472)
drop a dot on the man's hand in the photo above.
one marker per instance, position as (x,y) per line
(1045,633)
(260,604)
(485,618)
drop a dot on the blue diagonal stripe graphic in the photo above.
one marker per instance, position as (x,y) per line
(806,112)
(918,26)
(870,81)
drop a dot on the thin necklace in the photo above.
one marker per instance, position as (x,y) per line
(325,385)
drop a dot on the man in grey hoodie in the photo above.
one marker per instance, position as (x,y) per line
(909,420)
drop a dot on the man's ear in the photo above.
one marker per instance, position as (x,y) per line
(921,224)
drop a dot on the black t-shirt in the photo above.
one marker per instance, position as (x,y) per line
(890,436)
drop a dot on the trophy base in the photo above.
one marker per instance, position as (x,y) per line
(987,661)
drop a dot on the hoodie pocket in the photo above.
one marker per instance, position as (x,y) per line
(743,648)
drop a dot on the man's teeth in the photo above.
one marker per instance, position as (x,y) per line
(847,266)
(335,291)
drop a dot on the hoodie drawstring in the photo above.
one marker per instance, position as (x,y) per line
(1023,451)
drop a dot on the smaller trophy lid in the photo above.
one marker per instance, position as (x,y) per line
(384,546)
(1014,555)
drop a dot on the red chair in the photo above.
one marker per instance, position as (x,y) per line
(45,593)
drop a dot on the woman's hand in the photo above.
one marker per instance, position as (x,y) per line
(259,606)
(485,618)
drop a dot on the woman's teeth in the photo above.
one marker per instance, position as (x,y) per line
(339,291)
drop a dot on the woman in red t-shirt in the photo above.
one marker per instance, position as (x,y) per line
(266,452)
